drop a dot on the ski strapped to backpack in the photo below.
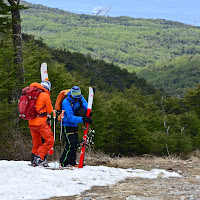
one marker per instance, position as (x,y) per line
(27,104)
(44,72)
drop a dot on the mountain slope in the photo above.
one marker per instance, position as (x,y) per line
(105,76)
(131,43)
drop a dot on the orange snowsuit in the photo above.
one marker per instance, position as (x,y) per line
(38,127)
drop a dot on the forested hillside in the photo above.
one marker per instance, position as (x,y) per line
(125,122)
(176,76)
(105,76)
(129,116)
(141,45)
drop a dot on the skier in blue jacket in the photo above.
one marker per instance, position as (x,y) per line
(75,107)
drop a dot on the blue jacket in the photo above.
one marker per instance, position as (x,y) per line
(71,107)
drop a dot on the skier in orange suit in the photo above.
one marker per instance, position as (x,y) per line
(38,126)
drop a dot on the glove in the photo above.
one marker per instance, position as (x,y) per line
(87,120)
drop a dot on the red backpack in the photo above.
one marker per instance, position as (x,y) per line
(27,103)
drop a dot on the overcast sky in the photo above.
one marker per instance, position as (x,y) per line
(186,11)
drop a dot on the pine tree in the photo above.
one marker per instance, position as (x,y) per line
(5,20)
(17,41)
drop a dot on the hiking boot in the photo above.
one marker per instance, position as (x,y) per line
(69,165)
(44,163)
(73,162)
(38,161)
(32,159)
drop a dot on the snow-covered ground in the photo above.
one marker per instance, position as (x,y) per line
(20,181)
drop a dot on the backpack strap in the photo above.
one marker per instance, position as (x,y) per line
(80,102)
(70,103)
(44,113)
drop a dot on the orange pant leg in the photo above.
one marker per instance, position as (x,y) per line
(36,138)
(47,135)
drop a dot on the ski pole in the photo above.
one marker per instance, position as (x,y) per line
(50,152)
(54,135)
(62,116)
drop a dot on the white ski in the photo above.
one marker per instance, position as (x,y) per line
(44,72)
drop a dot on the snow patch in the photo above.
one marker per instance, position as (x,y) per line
(20,181)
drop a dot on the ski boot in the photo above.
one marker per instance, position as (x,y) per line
(38,161)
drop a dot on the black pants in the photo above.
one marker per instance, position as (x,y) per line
(71,139)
